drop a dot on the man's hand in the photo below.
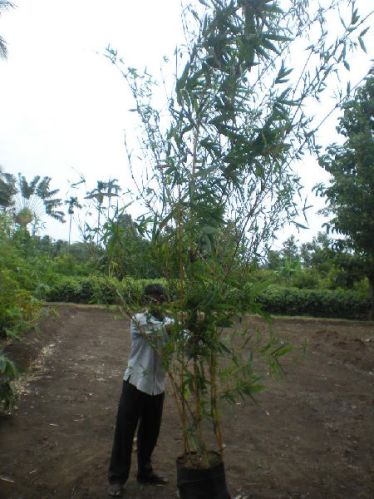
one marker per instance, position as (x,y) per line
(183,316)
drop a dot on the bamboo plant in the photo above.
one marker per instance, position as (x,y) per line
(219,181)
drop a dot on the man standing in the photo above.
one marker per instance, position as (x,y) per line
(142,396)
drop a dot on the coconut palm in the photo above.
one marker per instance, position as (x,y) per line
(4,4)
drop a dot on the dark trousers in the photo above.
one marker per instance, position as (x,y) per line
(135,407)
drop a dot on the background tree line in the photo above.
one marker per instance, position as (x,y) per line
(116,246)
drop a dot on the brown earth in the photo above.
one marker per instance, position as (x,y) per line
(311,436)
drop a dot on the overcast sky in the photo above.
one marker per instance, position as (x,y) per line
(64,107)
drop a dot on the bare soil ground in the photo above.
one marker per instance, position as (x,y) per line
(311,436)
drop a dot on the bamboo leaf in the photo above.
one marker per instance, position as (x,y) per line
(363,33)
(362,44)
(265,43)
(277,38)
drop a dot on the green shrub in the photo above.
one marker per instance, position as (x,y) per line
(68,264)
(274,299)
(63,290)
(82,290)
(18,308)
(7,373)
(96,289)
(315,303)
(306,279)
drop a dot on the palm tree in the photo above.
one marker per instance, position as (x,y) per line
(112,191)
(103,190)
(4,4)
(7,189)
(29,200)
(98,195)
(72,203)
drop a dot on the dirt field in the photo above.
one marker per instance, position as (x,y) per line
(312,436)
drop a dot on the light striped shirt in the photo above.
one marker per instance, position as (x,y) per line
(144,368)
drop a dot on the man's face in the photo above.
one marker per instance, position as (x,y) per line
(157,299)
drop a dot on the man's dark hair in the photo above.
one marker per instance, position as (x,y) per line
(155,291)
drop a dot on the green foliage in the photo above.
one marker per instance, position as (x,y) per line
(127,253)
(19,310)
(350,193)
(8,373)
(97,290)
(306,279)
(315,303)
(259,298)
(35,199)
(103,191)
(7,189)
(18,307)
(322,263)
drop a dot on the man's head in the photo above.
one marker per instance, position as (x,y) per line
(154,293)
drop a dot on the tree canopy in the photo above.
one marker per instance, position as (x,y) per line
(29,200)
(350,193)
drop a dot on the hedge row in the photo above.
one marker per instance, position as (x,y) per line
(275,300)
(95,290)
(339,304)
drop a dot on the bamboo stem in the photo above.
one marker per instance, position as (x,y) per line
(182,277)
(213,403)
(181,406)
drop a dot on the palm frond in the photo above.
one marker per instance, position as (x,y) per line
(7,192)
(52,193)
(34,183)
(43,188)
(24,187)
